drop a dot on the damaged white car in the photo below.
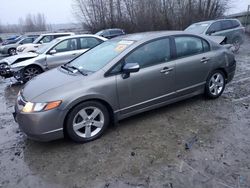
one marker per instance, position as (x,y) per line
(24,67)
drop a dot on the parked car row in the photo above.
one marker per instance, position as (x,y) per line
(27,43)
(25,66)
(119,78)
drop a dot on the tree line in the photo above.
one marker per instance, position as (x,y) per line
(146,15)
(30,23)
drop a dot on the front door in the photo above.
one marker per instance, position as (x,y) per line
(155,81)
(64,52)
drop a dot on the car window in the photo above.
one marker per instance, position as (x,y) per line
(57,36)
(186,46)
(235,23)
(27,40)
(96,58)
(90,42)
(150,54)
(215,27)
(115,32)
(46,39)
(227,24)
(66,45)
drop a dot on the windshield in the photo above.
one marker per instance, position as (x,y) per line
(38,39)
(197,28)
(44,47)
(96,58)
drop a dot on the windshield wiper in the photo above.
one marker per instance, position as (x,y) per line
(66,68)
(79,70)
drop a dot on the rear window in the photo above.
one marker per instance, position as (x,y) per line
(227,24)
(115,32)
(235,23)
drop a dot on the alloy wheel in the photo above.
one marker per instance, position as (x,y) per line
(88,122)
(31,72)
(216,84)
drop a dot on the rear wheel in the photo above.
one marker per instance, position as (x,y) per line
(215,84)
(87,121)
(30,72)
(236,44)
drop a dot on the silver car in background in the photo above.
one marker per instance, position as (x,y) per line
(61,50)
(119,78)
(10,49)
(41,40)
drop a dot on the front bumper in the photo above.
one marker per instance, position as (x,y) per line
(5,71)
(41,126)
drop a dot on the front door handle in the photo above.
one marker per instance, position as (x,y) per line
(205,60)
(166,70)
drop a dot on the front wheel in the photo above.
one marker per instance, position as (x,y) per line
(12,51)
(87,121)
(30,72)
(215,84)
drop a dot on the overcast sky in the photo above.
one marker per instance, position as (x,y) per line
(60,11)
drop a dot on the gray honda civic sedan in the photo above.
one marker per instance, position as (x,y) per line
(120,78)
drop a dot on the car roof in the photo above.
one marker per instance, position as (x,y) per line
(150,35)
(212,21)
(84,35)
(46,34)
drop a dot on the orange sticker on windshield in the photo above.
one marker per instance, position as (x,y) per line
(121,47)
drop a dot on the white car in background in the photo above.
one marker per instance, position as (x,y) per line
(42,39)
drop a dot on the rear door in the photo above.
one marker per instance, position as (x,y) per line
(193,63)
(155,81)
(65,52)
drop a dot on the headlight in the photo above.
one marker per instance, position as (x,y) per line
(38,107)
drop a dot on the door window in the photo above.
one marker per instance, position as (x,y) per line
(46,39)
(187,46)
(150,54)
(90,42)
(66,45)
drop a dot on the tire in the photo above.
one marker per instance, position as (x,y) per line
(215,84)
(30,72)
(91,117)
(236,44)
(12,51)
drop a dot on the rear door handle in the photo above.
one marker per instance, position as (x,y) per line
(166,70)
(205,60)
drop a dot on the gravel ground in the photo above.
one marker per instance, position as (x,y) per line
(147,150)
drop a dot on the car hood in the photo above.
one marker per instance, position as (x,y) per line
(49,81)
(13,59)
(40,59)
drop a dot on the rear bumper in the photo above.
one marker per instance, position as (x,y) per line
(231,72)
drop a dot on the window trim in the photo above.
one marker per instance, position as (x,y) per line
(189,35)
(108,73)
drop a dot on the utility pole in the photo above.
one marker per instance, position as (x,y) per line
(246,21)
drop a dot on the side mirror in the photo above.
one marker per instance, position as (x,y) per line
(129,68)
(52,52)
